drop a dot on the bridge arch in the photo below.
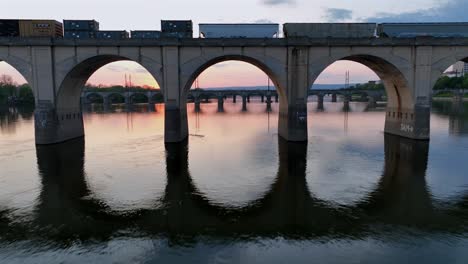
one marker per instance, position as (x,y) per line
(114,95)
(73,83)
(192,70)
(90,95)
(389,70)
(449,58)
(23,67)
(135,95)
(61,119)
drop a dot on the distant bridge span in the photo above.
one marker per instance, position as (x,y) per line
(57,69)
(197,96)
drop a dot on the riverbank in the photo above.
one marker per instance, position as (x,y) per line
(465,99)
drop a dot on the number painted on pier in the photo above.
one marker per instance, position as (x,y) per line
(407,128)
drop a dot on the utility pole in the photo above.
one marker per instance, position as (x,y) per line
(347,80)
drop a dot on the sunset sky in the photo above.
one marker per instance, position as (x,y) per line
(144,14)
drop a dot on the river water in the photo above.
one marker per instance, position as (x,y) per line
(235,192)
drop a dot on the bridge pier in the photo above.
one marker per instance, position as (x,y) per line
(292,123)
(372,102)
(268,102)
(248,98)
(220,104)
(175,123)
(320,102)
(244,103)
(197,104)
(334,98)
(54,126)
(151,107)
(411,123)
(128,100)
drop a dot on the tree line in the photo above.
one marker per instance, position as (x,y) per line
(446,82)
(13,93)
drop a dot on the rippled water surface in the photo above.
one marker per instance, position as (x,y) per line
(235,192)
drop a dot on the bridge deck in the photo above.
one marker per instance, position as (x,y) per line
(236,42)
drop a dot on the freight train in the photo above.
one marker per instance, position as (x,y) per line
(89,29)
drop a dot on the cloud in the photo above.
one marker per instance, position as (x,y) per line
(450,11)
(337,14)
(278,2)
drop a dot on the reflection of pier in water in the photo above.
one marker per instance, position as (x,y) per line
(457,111)
(66,207)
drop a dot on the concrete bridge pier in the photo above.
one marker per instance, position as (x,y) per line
(372,102)
(320,102)
(268,103)
(56,125)
(151,107)
(244,103)
(292,123)
(334,98)
(128,100)
(220,104)
(106,103)
(175,123)
(175,98)
(412,123)
(197,104)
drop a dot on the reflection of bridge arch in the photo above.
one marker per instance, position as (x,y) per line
(288,209)
(65,210)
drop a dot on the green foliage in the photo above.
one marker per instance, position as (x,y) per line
(25,94)
(6,90)
(446,82)
(22,93)
(368,86)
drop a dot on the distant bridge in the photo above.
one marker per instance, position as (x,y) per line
(199,95)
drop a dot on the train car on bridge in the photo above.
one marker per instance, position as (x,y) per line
(145,34)
(177,28)
(239,30)
(411,30)
(329,30)
(30,28)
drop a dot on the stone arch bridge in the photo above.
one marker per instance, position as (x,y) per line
(199,95)
(57,69)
